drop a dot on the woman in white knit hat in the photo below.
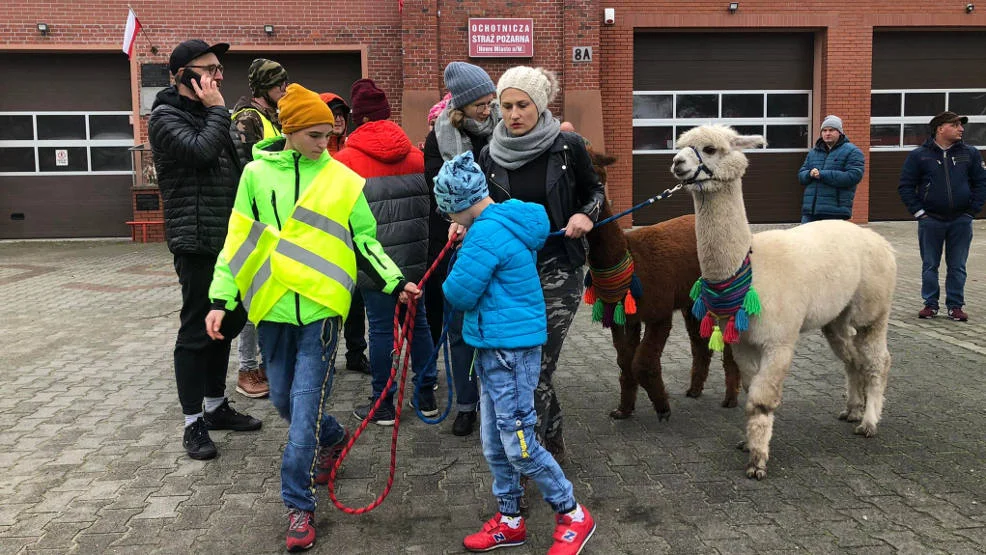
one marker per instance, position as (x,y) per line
(530,159)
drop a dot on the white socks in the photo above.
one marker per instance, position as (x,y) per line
(213,403)
(577,515)
(513,522)
(191,418)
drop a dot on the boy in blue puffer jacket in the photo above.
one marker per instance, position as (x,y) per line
(495,282)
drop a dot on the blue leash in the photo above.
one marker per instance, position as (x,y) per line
(442,346)
(665,194)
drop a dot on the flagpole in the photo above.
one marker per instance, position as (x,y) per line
(143,32)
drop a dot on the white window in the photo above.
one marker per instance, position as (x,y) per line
(782,116)
(66,143)
(899,117)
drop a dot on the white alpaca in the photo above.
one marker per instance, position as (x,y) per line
(832,275)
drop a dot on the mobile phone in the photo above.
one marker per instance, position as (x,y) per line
(187,76)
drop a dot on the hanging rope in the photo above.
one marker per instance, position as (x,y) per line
(733,299)
(403,335)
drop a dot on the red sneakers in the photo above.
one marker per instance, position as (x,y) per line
(327,457)
(571,535)
(301,530)
(496,534)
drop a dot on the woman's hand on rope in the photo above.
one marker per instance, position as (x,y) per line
(578,225)
(410,292)
(213,321)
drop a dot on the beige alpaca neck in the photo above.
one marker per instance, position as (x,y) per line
(722,230)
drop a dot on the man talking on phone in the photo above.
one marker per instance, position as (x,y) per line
(198,170)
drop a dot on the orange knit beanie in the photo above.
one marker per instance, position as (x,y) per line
(301,108)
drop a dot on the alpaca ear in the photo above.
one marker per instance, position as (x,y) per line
(743,142)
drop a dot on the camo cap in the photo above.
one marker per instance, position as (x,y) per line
(265,74)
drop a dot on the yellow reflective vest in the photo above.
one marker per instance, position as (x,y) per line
(306,270)
(269,130)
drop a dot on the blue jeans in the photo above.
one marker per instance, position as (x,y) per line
(507,419)
(380,315)
(300,368)
(956,237)
(466,389)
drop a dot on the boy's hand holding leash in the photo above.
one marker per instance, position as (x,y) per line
(410,292)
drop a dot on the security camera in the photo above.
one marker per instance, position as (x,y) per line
(609,16)
(969,8)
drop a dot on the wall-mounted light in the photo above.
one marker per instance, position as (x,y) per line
(733,6)
(969,8)
(43,29)
(269,29)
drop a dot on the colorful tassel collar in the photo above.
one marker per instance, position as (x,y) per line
(734,299)
(613,292)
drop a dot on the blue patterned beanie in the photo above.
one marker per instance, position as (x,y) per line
(460,184)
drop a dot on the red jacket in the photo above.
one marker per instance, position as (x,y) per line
(380,148)
(395,190)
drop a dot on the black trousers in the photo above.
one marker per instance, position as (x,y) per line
(435,298)
(354,330)
(200,362)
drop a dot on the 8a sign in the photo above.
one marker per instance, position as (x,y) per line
(581,54)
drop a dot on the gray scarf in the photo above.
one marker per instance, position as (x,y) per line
(452,142)
(513,152)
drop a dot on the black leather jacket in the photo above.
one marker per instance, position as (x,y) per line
(198,170)
(571,181)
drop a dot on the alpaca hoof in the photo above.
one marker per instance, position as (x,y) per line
(620,414)
(662,416)
(742,446)
(752,471)
(851,415)
(728,403)
(866,430)
(693,393)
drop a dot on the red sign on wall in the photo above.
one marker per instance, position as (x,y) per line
(501,37)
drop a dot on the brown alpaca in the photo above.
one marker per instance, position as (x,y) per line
(665,259)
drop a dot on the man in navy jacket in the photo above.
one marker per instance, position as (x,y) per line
(830,174)
(943,184)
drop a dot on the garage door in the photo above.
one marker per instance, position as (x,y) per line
(914,78)
(64,166)
(322,72)
(757,82)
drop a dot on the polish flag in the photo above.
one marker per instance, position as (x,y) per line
(130,33)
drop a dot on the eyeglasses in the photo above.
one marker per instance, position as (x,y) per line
(484,107)
(211,68)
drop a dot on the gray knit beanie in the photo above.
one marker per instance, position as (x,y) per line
(540,84)
(835,122)
(467,83)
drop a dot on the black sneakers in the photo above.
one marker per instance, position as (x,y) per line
(428,406)
(358,363)
(197,442)
(226,418)
(384,416)
(464,423)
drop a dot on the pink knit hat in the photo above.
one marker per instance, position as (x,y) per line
(438,108)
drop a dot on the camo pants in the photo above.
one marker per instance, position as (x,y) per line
(562,293)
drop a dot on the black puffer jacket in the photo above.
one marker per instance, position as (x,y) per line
(571,186)
(198,170)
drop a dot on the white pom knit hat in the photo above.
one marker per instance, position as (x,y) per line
(539,83)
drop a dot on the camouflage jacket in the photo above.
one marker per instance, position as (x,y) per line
(249,127)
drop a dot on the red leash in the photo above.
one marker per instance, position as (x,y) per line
(402,338)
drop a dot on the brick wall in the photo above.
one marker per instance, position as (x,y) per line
(409,50)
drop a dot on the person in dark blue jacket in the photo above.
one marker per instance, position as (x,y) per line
(495,282)
(943,184)
(830,174)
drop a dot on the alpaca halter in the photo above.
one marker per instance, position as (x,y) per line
(734,298)
(698,171)
(613,292)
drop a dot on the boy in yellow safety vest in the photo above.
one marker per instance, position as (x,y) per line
(300,227)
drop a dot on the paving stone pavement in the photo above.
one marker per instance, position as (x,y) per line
(91,456)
